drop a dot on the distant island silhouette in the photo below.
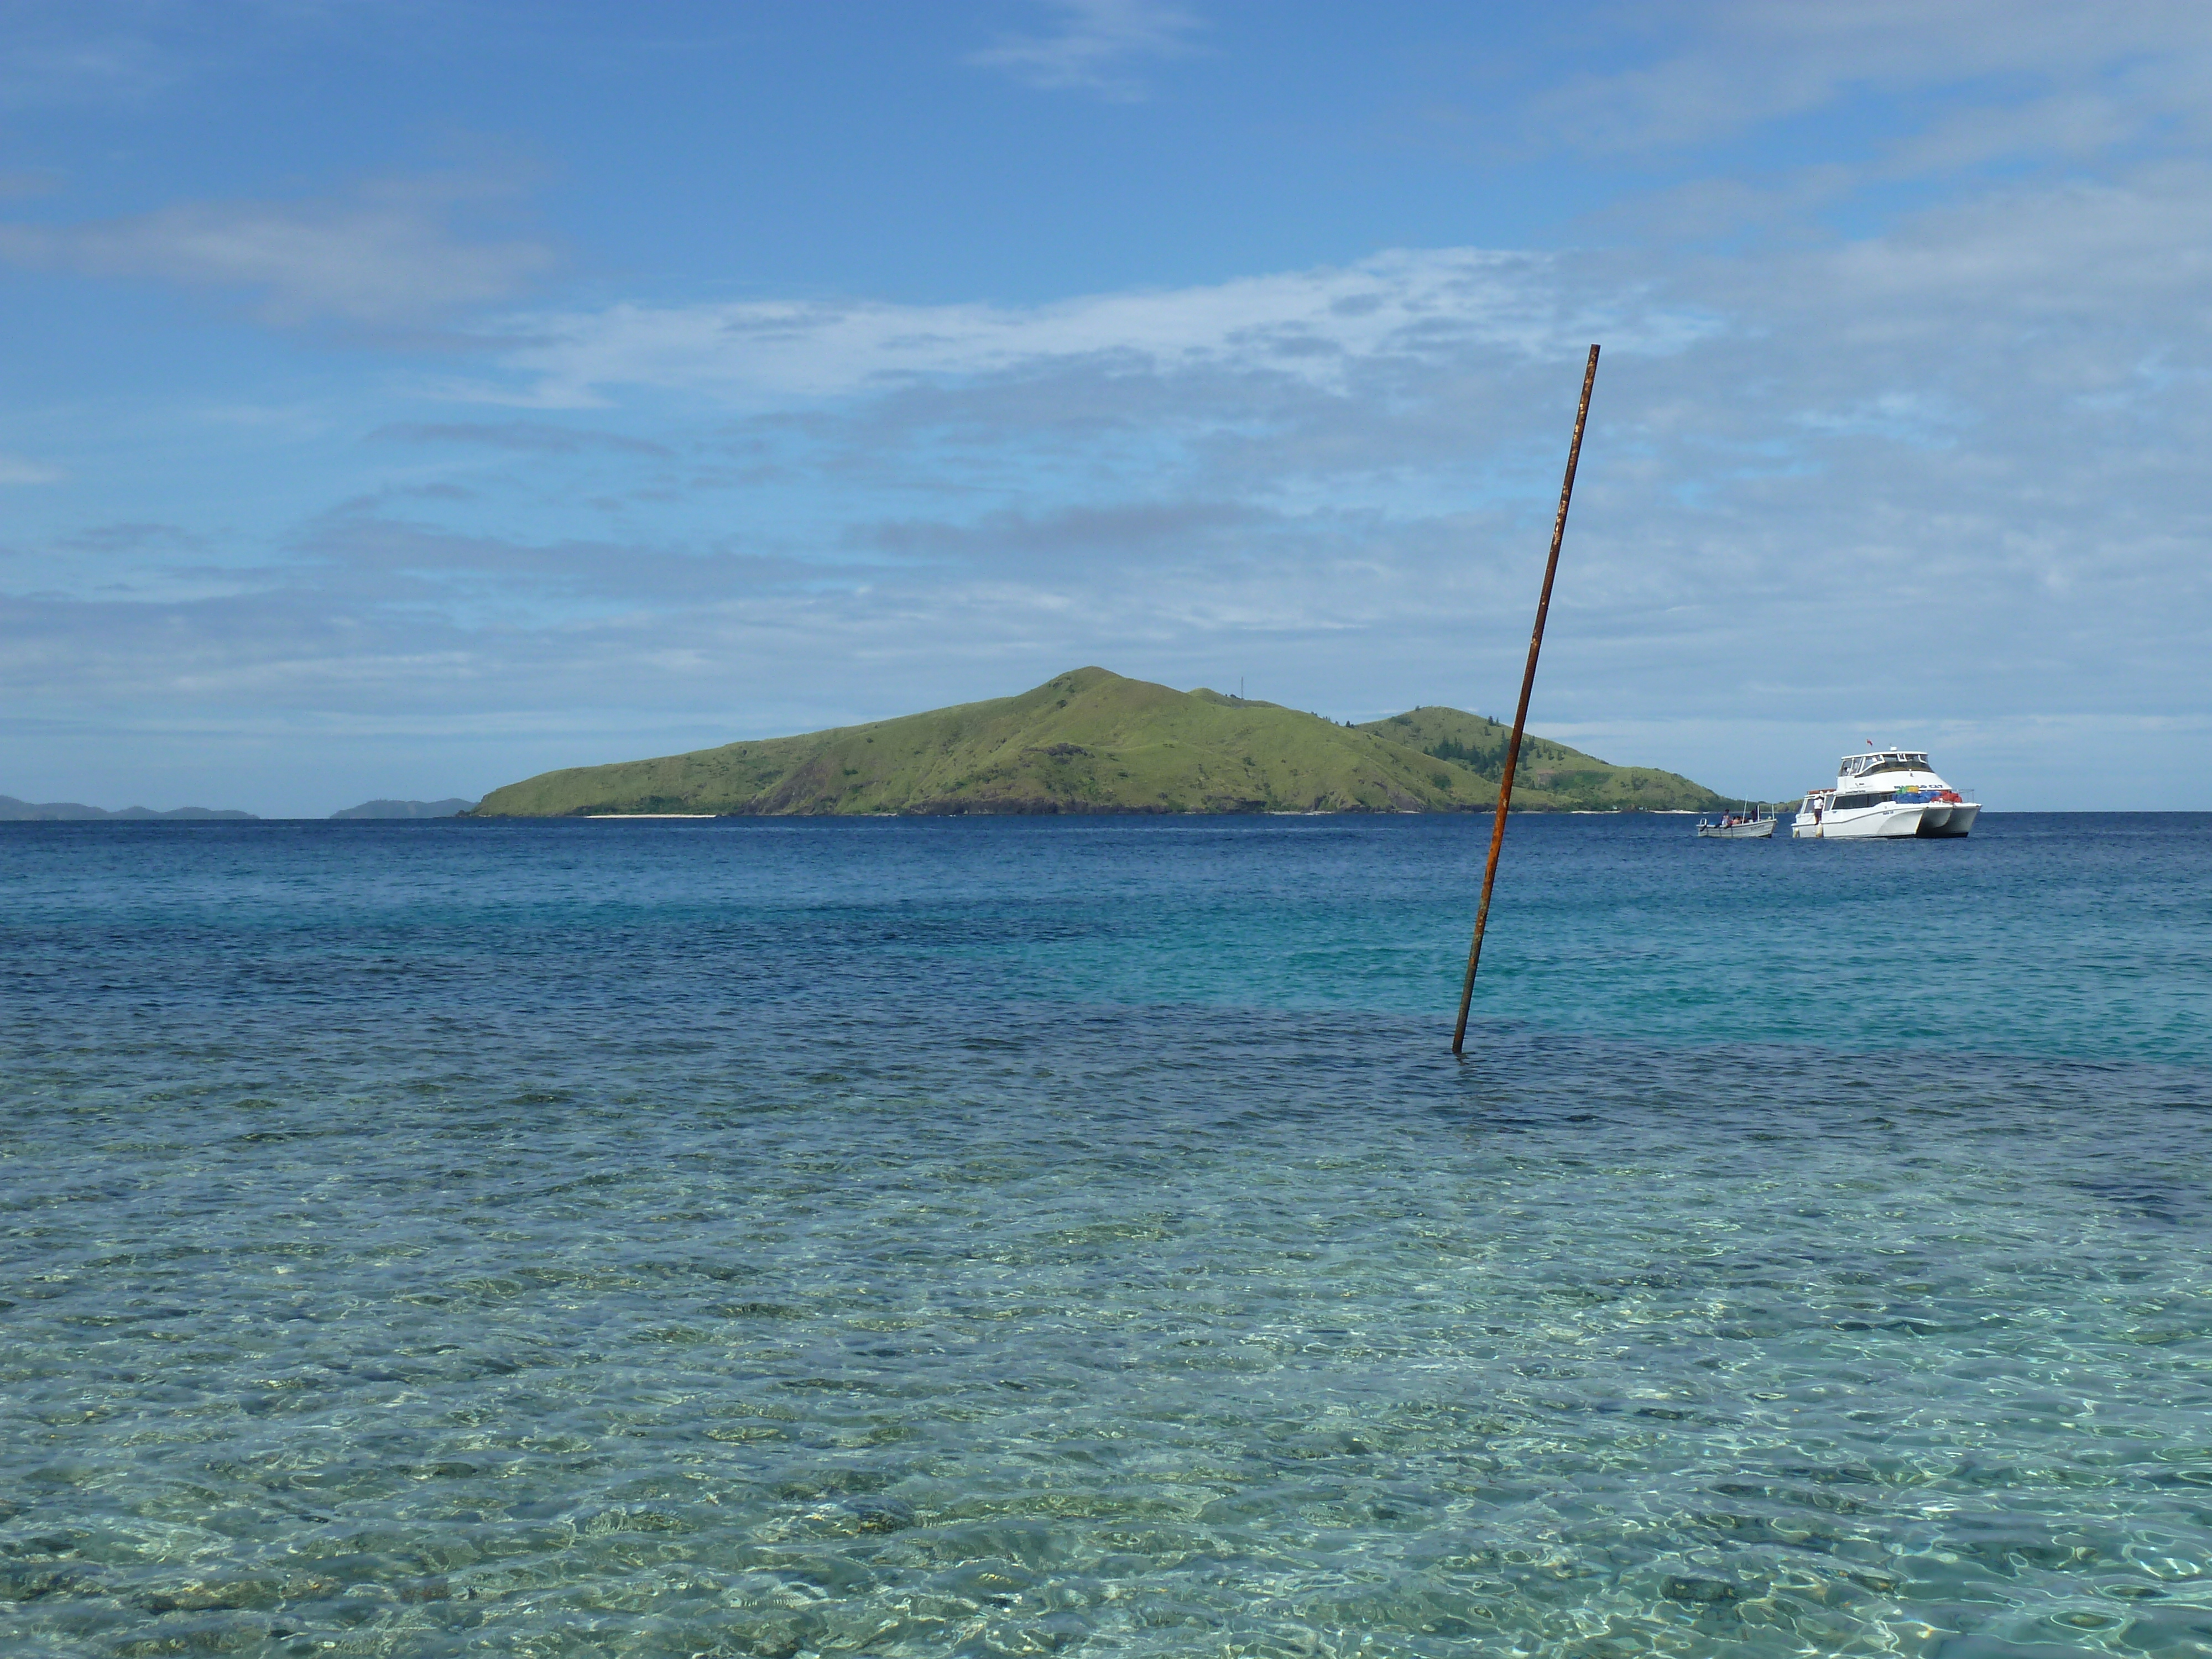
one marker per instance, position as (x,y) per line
(18,811)
(450,808)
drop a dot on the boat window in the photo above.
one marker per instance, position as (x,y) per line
(1910,764)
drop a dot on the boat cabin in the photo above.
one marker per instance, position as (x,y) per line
(1882,760)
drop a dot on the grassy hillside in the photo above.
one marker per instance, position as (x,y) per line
(1551,774)
(1091,741)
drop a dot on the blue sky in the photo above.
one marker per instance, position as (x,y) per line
(401,400)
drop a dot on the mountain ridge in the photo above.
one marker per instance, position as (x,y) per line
(385,807)
(1093,741)
(70,812)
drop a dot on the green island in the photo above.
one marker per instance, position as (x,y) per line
(1091,741)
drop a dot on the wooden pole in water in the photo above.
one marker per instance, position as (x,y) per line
(1520,714)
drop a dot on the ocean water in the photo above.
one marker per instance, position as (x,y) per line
(1018,1238)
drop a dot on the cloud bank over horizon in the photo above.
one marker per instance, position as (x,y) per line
(1897,435)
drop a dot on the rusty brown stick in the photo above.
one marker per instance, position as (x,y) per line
(1520,714)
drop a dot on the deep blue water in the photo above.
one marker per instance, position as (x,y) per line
(1021,1237)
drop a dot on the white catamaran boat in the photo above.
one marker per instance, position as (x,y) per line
(1886,794)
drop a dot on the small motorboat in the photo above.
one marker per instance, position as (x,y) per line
(1752,824)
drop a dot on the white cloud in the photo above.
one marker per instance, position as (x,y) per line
(1981,428)
(49,57)
(1093,48)
(384,257)
(22,470)
(1743,63)
(128,54)
(1309,325)
(526,437)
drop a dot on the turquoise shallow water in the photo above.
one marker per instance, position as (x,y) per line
(1024,1237)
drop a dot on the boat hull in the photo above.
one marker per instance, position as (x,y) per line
(1757,831)
(1892,821)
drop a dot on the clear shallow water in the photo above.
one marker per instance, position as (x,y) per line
(1015,1237)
